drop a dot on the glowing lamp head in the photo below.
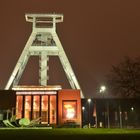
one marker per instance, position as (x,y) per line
(132,108)
(83,108)
(102,89)
(89,100)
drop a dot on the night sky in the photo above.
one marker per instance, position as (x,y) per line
(95,35)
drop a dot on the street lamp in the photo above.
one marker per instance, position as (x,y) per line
(83,110)
(132,108)
(120,114)
(89,101)
(102,90)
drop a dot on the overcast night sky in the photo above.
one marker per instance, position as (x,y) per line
(95,34)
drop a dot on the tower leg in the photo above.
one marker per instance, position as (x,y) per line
(21,63)
(66,64)
(21,69)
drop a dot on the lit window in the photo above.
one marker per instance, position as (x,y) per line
(36,106)
(52,109)
(19,102)
(69,109)
(44,110)
(27,107)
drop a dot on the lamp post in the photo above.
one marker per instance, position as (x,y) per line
(89,101)
(120,114)
(95,114)
(83,110)
(102,90)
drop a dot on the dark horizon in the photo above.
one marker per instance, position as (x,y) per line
(94,34)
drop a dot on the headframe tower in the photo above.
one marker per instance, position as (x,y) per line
(43,42)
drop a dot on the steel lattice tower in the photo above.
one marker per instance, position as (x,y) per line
(43,42)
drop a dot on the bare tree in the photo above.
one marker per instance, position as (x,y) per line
(124,78)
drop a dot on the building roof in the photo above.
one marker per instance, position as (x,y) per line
(36,88)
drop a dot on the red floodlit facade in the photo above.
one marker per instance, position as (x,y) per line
(69,106)
(54,105)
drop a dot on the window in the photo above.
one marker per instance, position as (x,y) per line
(44,109)
(27,107)
(69,109)
(19,101)
(52,109)
(36,107)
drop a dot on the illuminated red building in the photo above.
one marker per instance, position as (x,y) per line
(54,105)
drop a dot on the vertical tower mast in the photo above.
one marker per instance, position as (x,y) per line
(43,42)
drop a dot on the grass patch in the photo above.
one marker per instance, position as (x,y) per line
(69,133)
